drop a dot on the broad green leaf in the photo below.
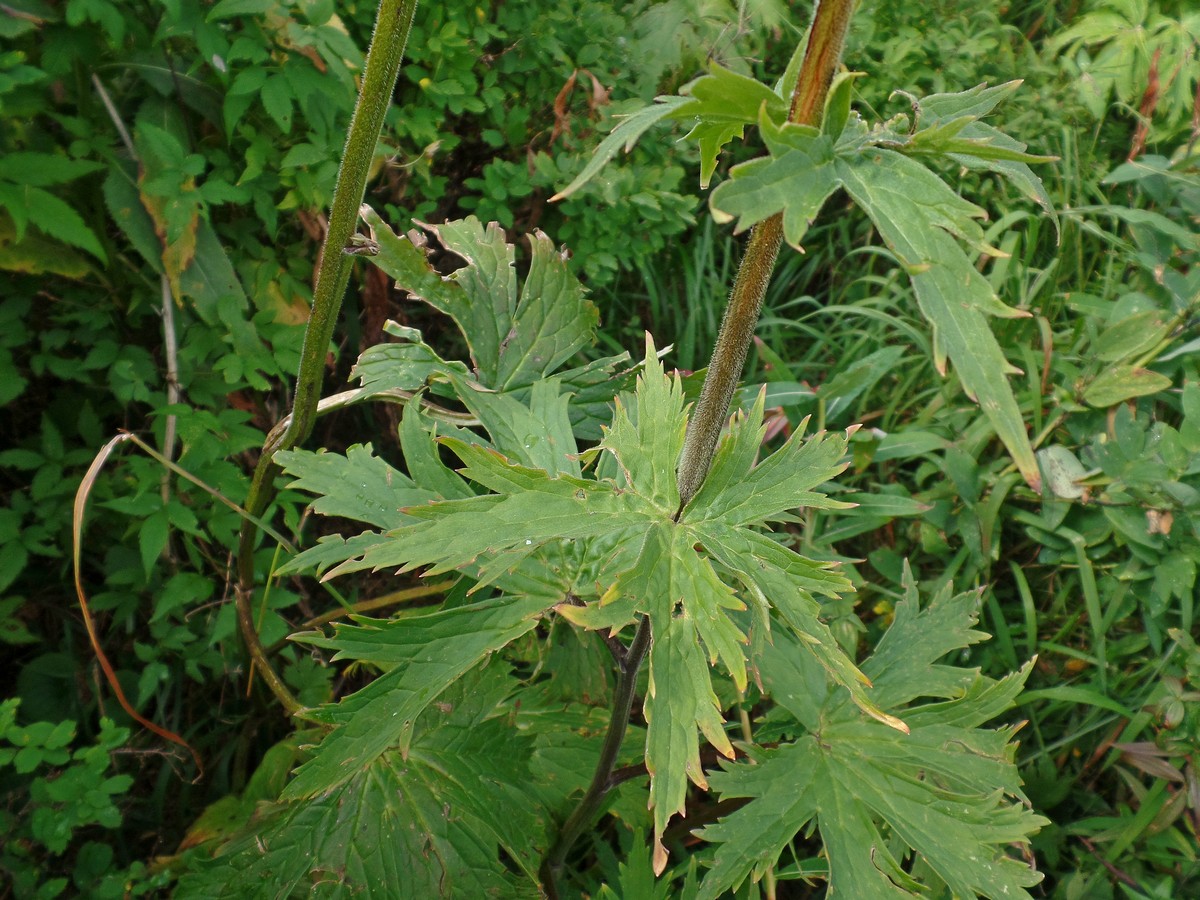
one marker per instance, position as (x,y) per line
(481,297)
(624,135)
(358,485)
(405,261)
(711,137)
(900,191)
(50,215)
(422,655)
(722,95)
(948,790)
(837,104)
(1063,472)
(227,9)
(1131,336)
(721,104)
(210,277)
(438,820)
(636,877)
(1120,383)
(125,207)
(276,96)
(34,255)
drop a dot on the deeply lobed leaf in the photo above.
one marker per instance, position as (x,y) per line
(612,540)
(358,486)
(948,790)
(430,821)
(423,656)
(514,339)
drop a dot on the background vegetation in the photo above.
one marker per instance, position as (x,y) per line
(164,167)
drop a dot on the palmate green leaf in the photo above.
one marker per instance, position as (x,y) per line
(785,581)
(514,339)
(670,577)
(532,509)
(553,319)
(423,656)
(438,820)
(537,433)
(948,790)
(614,544)
(737,492)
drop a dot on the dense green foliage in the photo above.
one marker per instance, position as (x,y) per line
(179,155)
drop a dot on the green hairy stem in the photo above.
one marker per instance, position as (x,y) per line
(392,25)
(822,55)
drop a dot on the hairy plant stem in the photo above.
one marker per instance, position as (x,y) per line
(392,25)
(822,55)
(583,814)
